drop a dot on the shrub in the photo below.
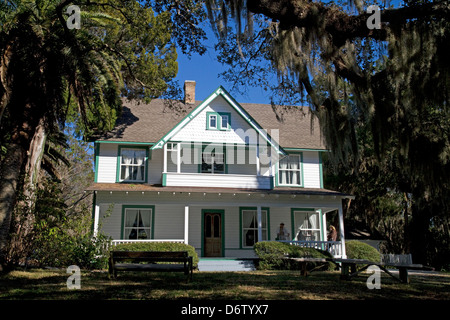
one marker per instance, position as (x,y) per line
(159,246)
(360,250)
(271,254)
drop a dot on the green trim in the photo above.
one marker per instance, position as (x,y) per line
(126,142)
(228,114)
(267,209)
(219,116)
(222,218)
(302,184)
(124,207)
(305,149)
(320,170)
(235,105)
(160,143)
(96,159)
(164,179)
(119,159)
(293,218)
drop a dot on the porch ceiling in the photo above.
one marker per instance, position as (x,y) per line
(160,188)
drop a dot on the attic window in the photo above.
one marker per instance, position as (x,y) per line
(218,121)
(212,121)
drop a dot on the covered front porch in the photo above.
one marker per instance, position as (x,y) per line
(222,222)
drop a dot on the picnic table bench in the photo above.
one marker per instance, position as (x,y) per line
(153,261)
(349,268)
(304,263)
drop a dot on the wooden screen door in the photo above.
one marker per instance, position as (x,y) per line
(213,234)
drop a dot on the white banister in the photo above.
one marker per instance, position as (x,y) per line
(333,247)
(116,242)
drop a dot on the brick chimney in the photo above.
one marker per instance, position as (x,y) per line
(189,91)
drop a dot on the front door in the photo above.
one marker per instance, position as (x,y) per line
(212,234)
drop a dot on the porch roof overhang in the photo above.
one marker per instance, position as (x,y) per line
(126,187)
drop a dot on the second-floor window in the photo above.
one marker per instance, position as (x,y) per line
(289,171)
(213,162)
(132,164)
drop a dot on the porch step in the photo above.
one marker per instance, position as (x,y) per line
(224,264)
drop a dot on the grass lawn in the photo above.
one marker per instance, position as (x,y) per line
(39,284)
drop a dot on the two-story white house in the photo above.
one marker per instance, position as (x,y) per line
(216,174)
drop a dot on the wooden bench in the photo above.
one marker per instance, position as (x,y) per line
(153,261)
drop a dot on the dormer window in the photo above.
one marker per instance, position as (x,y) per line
(290,171)
(218,121)
(132,164)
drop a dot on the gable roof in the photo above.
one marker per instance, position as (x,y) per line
(220,91)
(151,123)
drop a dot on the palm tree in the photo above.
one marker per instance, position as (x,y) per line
(44,66)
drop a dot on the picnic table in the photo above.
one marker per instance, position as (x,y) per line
(349,267)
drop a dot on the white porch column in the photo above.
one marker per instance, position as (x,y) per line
(341,229)
(259,216)
(321,235)
(96,217)
(165,158)
(258,164)
(178,157)
(186,224)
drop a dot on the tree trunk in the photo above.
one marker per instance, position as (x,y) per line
(33,165)
(420,225)
(23,223)
(11,169)
(5,81)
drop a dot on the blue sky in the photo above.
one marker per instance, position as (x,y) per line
(205,71)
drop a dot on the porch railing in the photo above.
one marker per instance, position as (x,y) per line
(333,247)
(116,242)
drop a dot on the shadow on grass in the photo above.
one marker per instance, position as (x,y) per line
(259,285)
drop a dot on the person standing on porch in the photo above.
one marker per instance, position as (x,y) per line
(332,235)
(282,233)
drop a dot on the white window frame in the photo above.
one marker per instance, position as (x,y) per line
(213,156)
(287,170)
(244,230)
(222,118)
(144,164)
(312,233)
(148,229)
(211,116)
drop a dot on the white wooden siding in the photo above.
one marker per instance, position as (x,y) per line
(311,169)
(218,180)
(169,213)
(107,163)
(155,166)
(196,130)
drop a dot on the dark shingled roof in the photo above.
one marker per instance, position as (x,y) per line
(142,122)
